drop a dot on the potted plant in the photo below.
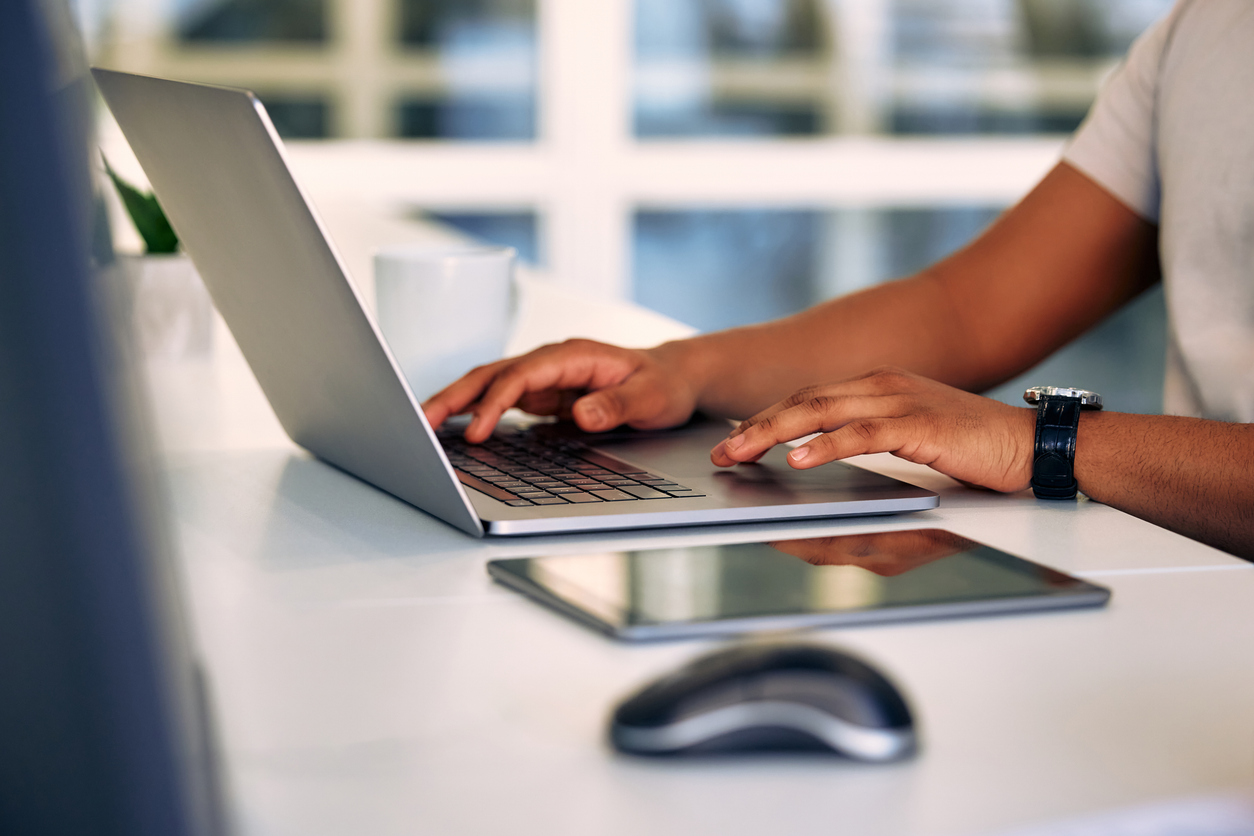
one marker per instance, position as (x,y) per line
(170,308)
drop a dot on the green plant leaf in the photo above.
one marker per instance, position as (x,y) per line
(146,214)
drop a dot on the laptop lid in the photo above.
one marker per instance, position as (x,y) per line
(215,161)
(218,167)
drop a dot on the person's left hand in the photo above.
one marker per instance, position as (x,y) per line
(971,438)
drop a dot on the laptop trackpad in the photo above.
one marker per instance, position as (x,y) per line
(684,455)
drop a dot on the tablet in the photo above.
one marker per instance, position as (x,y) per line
(787,585)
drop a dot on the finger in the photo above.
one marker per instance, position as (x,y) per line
(821,414)
(877,382)
(550,402)
(797,398)
(856,438)
(556,370)
(719,456)
(639,401)
(455,398)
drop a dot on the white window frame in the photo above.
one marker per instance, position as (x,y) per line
(586,173)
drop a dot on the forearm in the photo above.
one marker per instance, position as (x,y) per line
(905,323)
(1190,475)
(1051,267)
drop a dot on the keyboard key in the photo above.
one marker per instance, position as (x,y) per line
(514,465)
(608,462)
(612,495)
(644,492)
(484,487)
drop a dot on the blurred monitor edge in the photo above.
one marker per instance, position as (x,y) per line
(104,724)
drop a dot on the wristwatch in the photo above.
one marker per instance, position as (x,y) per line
(1057,418)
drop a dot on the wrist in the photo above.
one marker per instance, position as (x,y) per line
(1057,430)
(1025,447)
(1090,446)
(690,362)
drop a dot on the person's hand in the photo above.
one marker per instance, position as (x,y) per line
(971,438)
(600,386)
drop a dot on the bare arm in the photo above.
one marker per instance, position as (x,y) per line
(1050,268)
(1190,475)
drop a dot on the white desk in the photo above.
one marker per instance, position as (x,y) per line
(370,679)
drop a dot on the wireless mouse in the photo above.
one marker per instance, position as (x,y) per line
(768,697)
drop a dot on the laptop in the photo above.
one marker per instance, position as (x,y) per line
(217,165)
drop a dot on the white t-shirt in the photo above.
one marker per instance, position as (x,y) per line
(1172,136)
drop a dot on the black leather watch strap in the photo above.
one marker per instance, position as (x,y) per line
(1057,419)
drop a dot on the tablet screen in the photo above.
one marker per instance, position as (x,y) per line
(848,579)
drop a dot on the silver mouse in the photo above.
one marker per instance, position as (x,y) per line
(769,697)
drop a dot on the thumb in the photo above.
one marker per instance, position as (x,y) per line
(639,401)
(599,411)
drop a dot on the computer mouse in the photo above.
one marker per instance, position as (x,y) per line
(758,697)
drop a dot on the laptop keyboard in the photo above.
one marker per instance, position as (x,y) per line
(521,468)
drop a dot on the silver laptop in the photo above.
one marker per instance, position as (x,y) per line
(218,167)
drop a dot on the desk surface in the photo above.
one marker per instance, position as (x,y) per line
(370,678)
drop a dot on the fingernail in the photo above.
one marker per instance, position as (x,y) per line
(593,416)
(735,442)
(799,454)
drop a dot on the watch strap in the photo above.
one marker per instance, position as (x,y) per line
(1057,420)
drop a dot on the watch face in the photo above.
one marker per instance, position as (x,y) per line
(1090,400)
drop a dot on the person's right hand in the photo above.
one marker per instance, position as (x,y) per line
(600,386)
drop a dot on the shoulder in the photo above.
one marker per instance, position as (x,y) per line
(1115,146)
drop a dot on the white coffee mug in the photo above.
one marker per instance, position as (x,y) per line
(444,310)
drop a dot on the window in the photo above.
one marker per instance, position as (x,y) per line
(670,150)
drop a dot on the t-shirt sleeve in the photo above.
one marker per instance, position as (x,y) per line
(1115,143)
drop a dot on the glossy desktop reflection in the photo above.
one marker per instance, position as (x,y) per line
(889,576)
